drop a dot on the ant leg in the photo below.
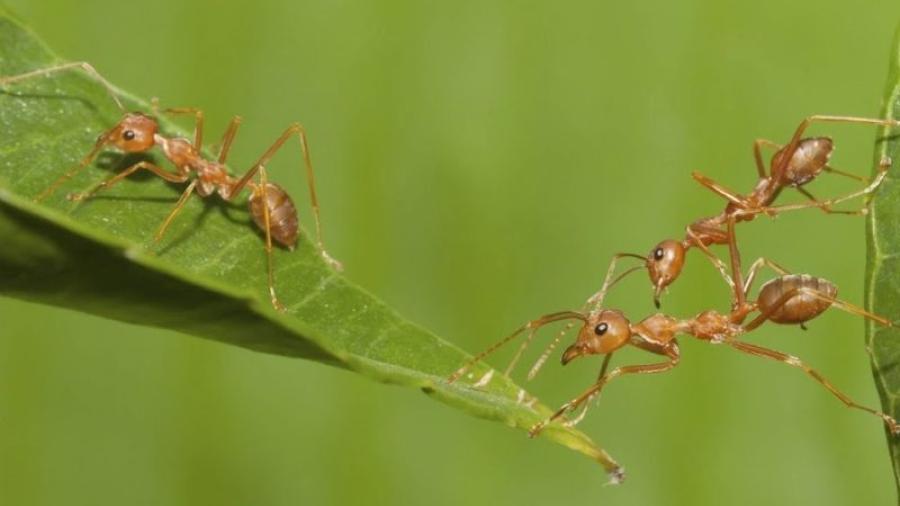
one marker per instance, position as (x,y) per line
(228,137)
(294,129)
(198,121)
(263,185)
(723,270)
(757,155)
(798,133)
(587,404)
(825,208)
(829,168)
(533,324)
(178,206)
(756,266)
(536,367)
(840,304)
(168,176)
(735,257)
(846,306)
(102,141)
(606,378)
(883,167)
(515,360)
(793,361)
(719,189)
(85,66)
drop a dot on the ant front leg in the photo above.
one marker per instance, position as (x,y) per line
(759,351)
(102,141)
(594,390)
(198,119)
(587,404)
(180,177)
(735,257)
(692,234)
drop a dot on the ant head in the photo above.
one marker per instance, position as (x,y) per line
(603,332)
(664,263)
(134,133)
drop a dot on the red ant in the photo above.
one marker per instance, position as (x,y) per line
(793,165)
(270,206)
(787,299)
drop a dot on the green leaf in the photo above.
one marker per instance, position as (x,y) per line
(883,263)
(207,278)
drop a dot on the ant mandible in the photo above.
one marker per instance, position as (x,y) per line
(270,206)
(792,166)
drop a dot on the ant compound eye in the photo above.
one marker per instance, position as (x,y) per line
(601,329)
(128,135)
(658,253)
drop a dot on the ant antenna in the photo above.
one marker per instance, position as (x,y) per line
(546,354)
(520,351)
(597,299)
(533,325)
(562,333)
(85,66)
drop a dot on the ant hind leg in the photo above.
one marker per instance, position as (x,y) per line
(759,351)
(263,188)
(298,130)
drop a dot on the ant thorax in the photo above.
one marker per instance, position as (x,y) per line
(657,329)
(179,151)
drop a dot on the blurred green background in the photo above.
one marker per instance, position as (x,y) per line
(478,163)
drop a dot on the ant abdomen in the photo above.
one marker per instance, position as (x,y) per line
(807,161)
(807,297)
(282,214)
